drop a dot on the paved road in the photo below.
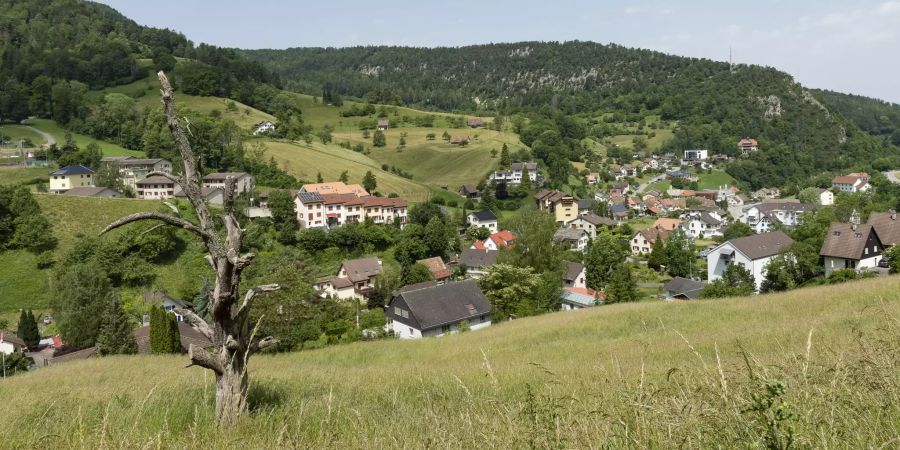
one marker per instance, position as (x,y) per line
(655,179)
(47,136)
(893,176)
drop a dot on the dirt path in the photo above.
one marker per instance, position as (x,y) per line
(47,136)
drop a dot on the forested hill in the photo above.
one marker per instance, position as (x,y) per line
(713,103)
(874,116)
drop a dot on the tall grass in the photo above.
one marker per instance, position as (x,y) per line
(812,368)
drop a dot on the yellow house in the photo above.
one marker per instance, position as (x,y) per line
(71,177)
(566,210)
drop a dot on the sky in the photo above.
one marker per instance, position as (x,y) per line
(847,46)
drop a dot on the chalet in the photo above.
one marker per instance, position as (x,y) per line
(354,279)
(851,246)
(477,261)
(851,183)
(578,298)
(575,275)
(641,242)
(459,139)
(752,252)
(188,335)
(99,192)
(469,191)
(438,269)
(10,343)
(264,127)
(424,311)
(155,188)
(886,226)
(243,181)
(483,219)
(747,145)
(575,239)
(591,223)
(679,288)
(764,216)
(516,172)
(383,124)
(496,241)
(70,177)
(563,206)
(474,122)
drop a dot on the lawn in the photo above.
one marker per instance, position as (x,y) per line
(19,174)
(19,132)
(108,148)
(306,161)
(714,180)
(816,366)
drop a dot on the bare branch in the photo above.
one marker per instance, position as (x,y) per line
(174,221)
(173,208)
(197,322)
(263,344)
(252,293)
(201,357)
(151,229)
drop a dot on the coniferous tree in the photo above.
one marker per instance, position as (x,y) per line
(164,335)
(344,178)
(622,287)
(657,257)
(115,336)
(505,160)
(28,329)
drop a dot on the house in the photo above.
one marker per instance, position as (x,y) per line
(186,332)
(652,163)
(575,239)
(691,156)
(133,169)
(641,242)
(155,187)
(486,219)
(826,197)
(679,288)
(575,275)
(474,122)
(354,279)
(585,205)
(335,187)
(591,223)
(747,145)
(315,210)
(887,226)
(10,343)
(243,181)
(212,196)
(619,212)
(762,217)
(70,177)
(477,261)
(579,297)
(264,127)
(416,312)
(167,302)
(592,178)
(459,139)
(563,206)
(682,174)
(439,271)
(703,224)
(665,223)
(383,124)
(851,246)
(851,183)
(469,191)
(99,192)
(496,241)
(767,193)
(513,176)
(753,252)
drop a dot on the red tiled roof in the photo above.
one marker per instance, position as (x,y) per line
(504,238)
(478,245)
(589,292)
(436,266)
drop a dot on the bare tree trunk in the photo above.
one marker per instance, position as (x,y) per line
(230,331)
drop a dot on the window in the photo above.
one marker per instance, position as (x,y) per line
(410,331)
(445,329)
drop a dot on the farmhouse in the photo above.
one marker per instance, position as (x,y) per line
(70,177)
(383,124)
(167,302)
(753,252)
(244,182)
(425,311)
(679,288)
(486,219)
(477,261)
(851,246)
(155,188)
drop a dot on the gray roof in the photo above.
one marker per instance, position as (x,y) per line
(434,306)
(598,220)
(707,218)
(769,207)
(887,226)
(89,352)
(469,189)
(140,162)
(9,336)
(310,197)
(568,234)
(87,191)
(842,241)
(573,269)
(682,286)
(518,166)
(155,179)
(362,269)
(586,203)
(484,215)
(472,257)
(73,170)
(762,245)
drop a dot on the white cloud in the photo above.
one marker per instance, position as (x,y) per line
(889,7)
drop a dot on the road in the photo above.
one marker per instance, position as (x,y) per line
(893,176)
(47,136)
(655,179)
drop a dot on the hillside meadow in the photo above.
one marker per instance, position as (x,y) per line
(811,368)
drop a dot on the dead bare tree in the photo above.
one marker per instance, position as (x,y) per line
(230,331)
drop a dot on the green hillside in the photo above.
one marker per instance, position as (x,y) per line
(821,363)
(58,133)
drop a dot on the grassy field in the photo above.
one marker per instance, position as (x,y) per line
(714,179)
(19,132)
(305,161)
(108,148)
(818,367)
(18,174)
